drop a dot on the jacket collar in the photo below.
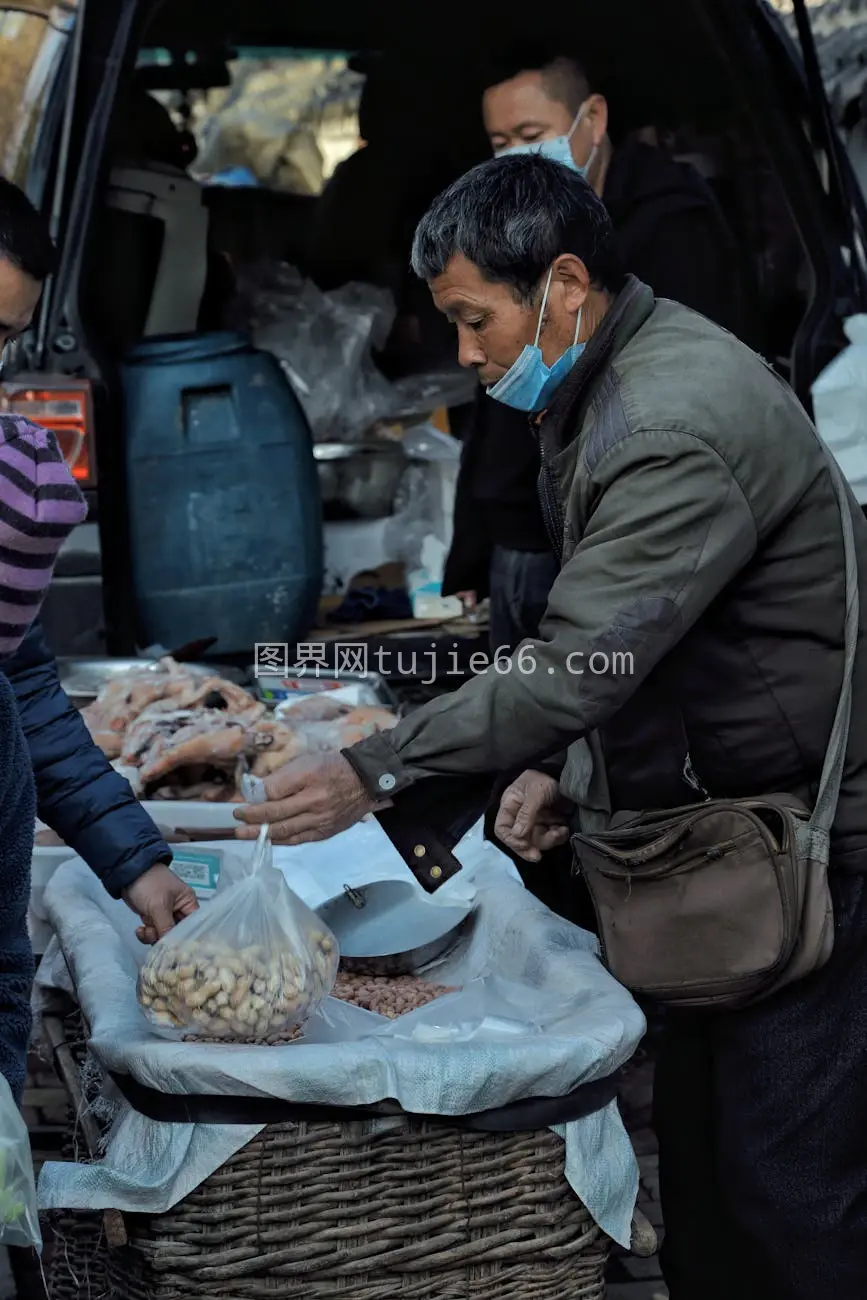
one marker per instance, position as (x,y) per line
(633,306)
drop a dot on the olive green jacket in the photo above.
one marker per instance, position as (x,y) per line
(694,635)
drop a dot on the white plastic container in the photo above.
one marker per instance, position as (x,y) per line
(191,814)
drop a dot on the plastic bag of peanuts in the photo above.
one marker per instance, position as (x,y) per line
(251,965)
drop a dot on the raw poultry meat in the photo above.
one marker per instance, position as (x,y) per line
(123,699)
(215,693)
(48,839)
(190,735)
(352,725)
(315,708)
(377,719)
(202,738)
(99,723)
(270,744)
(205,741)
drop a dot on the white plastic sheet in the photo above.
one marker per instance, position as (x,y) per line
(840,407)
(537,1015)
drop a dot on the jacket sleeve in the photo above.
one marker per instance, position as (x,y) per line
(79,794)
(670,529)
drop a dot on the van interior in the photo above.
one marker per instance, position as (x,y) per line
(420,126)
(716,83)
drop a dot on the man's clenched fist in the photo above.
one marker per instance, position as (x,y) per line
(533,818)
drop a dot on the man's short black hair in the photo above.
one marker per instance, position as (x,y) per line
(512,217)
(566,79)
(24,237)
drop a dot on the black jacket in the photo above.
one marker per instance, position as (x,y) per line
(671,234)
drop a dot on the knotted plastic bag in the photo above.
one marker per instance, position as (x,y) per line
(840,407)
(19,1217)
(251,965)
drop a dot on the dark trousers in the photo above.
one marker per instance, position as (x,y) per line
(520,582)
(761,1117)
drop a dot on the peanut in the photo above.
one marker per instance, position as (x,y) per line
(221,993)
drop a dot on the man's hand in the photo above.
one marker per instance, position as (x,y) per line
(532,818)
(161,900)
(308,799)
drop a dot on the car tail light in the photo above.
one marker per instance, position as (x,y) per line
(65,407)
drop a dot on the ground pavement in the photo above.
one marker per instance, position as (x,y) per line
(630,1278)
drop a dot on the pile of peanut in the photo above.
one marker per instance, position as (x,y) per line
(387,995)
(247,995)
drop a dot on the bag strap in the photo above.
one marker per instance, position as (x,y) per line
(832,769)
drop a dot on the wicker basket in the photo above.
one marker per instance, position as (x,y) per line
(388,1210)
(418,1213)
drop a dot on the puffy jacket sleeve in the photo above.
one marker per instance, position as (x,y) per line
(79,794)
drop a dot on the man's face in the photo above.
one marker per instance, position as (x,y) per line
(520,111)
(493,328)
(19,296)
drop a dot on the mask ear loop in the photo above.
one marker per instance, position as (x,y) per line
(542,308)
(572,129)
(578,325)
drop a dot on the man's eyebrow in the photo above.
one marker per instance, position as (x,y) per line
(456,310)
(530,125)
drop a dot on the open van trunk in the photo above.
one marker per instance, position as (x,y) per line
(716,81)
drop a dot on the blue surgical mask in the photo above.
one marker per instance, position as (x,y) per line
(558,150)
(528,384)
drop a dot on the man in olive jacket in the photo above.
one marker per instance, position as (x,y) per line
(694,637)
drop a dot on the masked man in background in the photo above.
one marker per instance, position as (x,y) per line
(670,232)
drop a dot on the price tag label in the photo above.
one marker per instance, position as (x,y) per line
(199,868)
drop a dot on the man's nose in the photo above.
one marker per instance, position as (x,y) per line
(470,352)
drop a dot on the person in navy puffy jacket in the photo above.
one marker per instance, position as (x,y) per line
(50,765)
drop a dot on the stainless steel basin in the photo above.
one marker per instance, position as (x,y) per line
(360,477)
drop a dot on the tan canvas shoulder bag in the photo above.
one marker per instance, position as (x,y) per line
(719,904)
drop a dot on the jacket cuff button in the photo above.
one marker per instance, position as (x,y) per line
(387,781)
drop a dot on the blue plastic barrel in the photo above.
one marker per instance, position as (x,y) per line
(225,514)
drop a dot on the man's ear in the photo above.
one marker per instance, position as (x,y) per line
(571,272)
(597,116)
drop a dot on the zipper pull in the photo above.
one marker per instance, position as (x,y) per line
(691,779)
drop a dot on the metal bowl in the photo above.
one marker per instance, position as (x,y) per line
(360,477)
(414,960)
(389,927)
(83,679)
